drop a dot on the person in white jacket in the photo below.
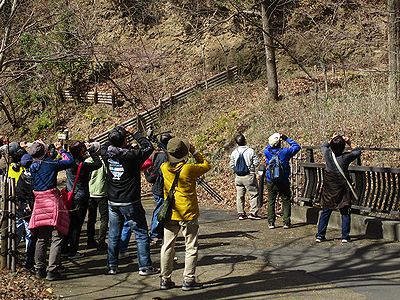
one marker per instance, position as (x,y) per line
(245,181)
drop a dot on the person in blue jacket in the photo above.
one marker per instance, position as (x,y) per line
(279,156)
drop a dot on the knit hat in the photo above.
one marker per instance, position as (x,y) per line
(26,160)
(38,150)
(274,139)
(178,150)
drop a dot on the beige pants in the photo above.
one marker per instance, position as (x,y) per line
(246,183)
(190,230)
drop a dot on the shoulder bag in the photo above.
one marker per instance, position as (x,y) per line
(68,196)
(165,213)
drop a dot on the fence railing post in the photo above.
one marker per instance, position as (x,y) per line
(310,176)
(113,99)
(95,96)
(4,225)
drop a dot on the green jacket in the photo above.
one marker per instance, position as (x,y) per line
(98,181)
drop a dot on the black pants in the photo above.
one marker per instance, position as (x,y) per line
(102,204)
(77,218)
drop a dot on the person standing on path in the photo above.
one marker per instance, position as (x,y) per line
(337,191)
(246,179)
(98,201)
(185,211)
(153,175)
(50,218)
(124,201)
(277,162)
(80,172)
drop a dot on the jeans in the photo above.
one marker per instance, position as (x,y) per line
(190,231)
(283,188)
(102,204)
(156,229)
(30,242)
(324,220)
(134,214)
(125,237)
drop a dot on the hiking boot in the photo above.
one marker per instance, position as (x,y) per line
(191,285)
(271,225)
(148,271)
(166,284)
(53,276)
(254,217)
(92,244)
(40,273)
(320,239)
(112,271)
(242,217)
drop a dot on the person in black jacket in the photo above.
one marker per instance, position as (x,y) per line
(25,202)
(81,193)
(153,175)
(124,202)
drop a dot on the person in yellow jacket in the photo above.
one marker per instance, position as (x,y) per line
(185,212)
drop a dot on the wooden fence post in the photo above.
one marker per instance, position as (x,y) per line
(12,227)
(310,176)
(160,110)
(113,99)
(4,218)
(95,96)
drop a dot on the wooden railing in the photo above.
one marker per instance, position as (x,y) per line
(116,99)
(377,188)
(150,118)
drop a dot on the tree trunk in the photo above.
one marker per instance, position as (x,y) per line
(272,77)
(394,58)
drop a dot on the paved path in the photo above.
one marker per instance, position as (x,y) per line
(246,260)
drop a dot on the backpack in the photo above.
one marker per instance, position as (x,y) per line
(241,167)
(275,168)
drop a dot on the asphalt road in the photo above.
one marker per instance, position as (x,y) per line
(246,260)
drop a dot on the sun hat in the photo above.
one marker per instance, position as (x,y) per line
(178,150)
(274,139)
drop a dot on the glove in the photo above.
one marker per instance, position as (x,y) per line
(284,137)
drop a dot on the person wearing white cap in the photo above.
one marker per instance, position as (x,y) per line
(277,174)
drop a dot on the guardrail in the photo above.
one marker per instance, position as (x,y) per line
(112,98)
(150,118)
(377,188)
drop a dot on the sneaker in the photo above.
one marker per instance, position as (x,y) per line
(320,239)
(61,268)
(92,244)
(191,285)
(166,284)
(148,271)
(75,256)
(254,217)
(286,226)
(242,217)
(271,225)
(40,273)
(344,241)
(53,276)
(155,241)
(112,271)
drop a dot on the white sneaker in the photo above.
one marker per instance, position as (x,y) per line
(271,225)
(344,241)
(149,271)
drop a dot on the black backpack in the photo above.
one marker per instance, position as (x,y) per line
(275,168)
(241,168)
